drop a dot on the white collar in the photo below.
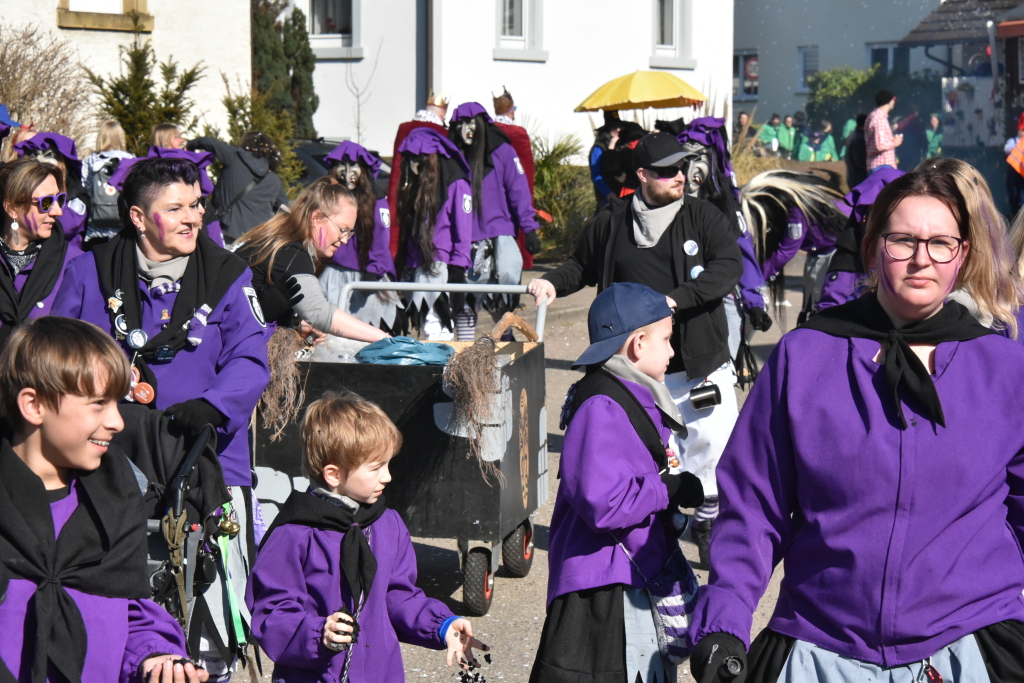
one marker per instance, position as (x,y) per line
(428,116)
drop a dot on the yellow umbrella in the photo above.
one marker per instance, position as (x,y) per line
(643,89)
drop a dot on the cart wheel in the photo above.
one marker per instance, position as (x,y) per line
(477,582)
(517,551)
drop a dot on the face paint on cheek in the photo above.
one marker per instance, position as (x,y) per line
(321,239)
(160,231)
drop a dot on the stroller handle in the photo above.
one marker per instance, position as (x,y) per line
(542,310)
(179,486)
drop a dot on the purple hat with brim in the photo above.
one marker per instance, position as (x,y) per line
(353,152)
(468,110)
(200,159)
(60,144)
(429,141)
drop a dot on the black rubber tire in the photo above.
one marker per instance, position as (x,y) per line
(477,591)
(517,551)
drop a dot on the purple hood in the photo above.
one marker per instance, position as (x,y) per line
(200,159)
(429,141)
(710,132)
(862,196)
(353,152)
(468,110)
(64,146)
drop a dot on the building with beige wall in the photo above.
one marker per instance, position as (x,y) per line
(214,32)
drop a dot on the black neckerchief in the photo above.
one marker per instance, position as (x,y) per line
(865,318)
(101,550)
(16,306)
(210,272)
(495,139)
(357,560)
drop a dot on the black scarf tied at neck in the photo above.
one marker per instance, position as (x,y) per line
(101,550)
(357,560)
(210,272)
(866,319)
(16,306)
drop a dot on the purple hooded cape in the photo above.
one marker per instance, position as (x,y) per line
(200,159)
(710,132)
(64,146)
(468,110)
(428,141)
(353,152)
(862,196)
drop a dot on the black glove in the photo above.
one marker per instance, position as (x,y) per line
(719,658)
(457,300)
(533,243)
(279,299)
(191,416)
(684,490)
(759,319)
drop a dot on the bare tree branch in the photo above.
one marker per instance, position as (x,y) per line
(361,93)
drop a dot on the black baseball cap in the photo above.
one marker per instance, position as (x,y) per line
(657,150)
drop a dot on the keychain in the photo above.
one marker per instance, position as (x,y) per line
(929,674)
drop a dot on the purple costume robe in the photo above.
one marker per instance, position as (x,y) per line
(42,307)
(751,279)
(122,633)
(609,483)
(228,369)
(895,542)
(801,234)
(378,261)
(296,583)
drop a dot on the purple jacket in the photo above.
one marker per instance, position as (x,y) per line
(840,287)
(42,307)
(751,279)
(122,633)
(609,483)
(801,234)
(379,261)
(895,542)
(296,583)
(229,368)
(453,229)
(505,196)
(862,196)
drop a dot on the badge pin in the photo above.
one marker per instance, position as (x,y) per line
(119,294)
(121,325)
(690,247)
(136,375)
(114,303)
(137,339)
(143,393)
(165,314)
(164,354)
(40,304)
(695,271)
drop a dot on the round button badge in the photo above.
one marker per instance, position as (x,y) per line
(137,339)
(143,393)
(690,247)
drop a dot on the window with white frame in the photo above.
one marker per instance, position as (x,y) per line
(520,35)
(744,75)
(672,35)
(98,6)
(334,28)
(808,66)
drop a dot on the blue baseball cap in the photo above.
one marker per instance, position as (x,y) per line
(616,313)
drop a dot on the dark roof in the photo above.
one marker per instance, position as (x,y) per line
(958,21)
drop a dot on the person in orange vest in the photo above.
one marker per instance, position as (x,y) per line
(431,116)
(1015,171)
(505,119)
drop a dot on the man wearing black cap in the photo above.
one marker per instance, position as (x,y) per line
(878,133)
(684,249)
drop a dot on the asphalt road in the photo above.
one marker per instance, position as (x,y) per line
(512,628)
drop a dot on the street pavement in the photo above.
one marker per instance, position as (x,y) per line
(512,628)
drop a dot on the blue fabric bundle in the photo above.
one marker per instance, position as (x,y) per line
(405,351)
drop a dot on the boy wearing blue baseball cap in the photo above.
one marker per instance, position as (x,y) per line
(611,531)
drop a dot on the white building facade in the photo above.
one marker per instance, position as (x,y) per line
(550,54)
(779,44)
(216,33)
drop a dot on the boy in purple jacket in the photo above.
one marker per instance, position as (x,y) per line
(72,525)
(611,530)
(334,587)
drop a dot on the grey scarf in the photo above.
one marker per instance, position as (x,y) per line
(336,498)
(161,272)
(621,367)
(649,224)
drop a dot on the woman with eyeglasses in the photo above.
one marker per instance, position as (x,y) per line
(288,252)
(880,458)
(32,243)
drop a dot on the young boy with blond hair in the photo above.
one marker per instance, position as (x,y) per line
(72,523)
(333,590)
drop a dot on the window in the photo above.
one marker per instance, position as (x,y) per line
(891,58)
(520,35)
(673,24)
(333,28)
(332,17)
(808,66)
(512,18)
(104,15)
(744,76)
(666,23)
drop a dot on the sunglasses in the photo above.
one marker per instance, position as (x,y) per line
(667,172)
(46,202)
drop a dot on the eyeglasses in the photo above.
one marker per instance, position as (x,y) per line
(667,172)
(46,202)
(902,247)
(342,234)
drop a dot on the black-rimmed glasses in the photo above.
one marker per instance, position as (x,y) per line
(902,247)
